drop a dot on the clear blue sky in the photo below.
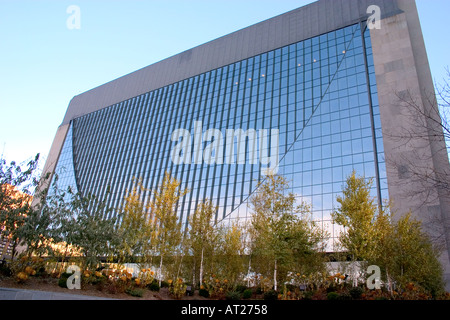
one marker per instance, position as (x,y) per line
(43,64)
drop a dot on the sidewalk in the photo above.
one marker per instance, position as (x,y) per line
(19,294)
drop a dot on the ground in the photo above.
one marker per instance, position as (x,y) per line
(51,284)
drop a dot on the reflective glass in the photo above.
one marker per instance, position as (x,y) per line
(319,93)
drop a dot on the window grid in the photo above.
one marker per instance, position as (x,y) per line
(315,92)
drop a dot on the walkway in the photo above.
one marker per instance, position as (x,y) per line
(19,294)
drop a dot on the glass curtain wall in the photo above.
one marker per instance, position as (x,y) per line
(319,93)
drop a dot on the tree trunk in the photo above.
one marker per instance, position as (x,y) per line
(201,268)
(193,273)
(160,270)
(248,272)
(13,250)
(275,276)
(179,266)
(389,281)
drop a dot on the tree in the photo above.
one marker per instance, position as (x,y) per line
(136,229)
(95,234)
(231,252)
(37,229)
(406,254)
(16,187)
(357,213)
(383,244)
(398,246)
(64,223)
(164,207)
(281,231)
(414,259)
(202,238)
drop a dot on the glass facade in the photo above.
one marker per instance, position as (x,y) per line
(319,93)
(64,169)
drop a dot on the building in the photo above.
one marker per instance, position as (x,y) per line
(312,94)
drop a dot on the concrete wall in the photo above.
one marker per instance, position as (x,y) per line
(403,81)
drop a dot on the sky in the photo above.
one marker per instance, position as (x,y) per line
(44,63)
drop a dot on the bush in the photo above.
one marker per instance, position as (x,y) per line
(308,295)
(290,287)
(98,280)
(271,295)
(247,294)
(203,293)
(331,289)
(62,282)
(233,295)
(66,275)
(111,288)
(332,296)
(241,288)
(42,273)
(356,293)
(344,296)
(154,286)
(177,289)
(5,270)
(137,292)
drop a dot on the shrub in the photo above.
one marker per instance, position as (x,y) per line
(247,294)
(203,293)
(271,295)
(21,277)
(154,286)
(332,296)
(26,266)
(241,288)
(331,289)
(233,295)
(356,293)
(307,295)
(66,275)
(111,288)
(98,280)
(62,282)
(42,273)
(344,296)
(177,288)
(5,270)
(290,287)
(146,277)
(137,292)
